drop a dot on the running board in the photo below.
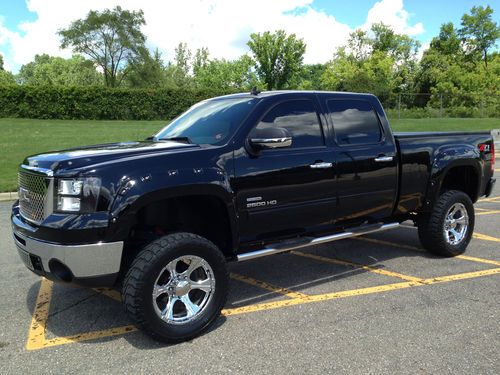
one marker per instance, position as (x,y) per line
(284,246)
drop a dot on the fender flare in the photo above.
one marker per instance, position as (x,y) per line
(125,207)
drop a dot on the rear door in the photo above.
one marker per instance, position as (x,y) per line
(287,191)
(366,160)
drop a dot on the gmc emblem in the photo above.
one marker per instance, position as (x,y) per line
(24,195)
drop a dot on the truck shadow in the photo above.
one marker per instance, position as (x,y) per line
(74,311)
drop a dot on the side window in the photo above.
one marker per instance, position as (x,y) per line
(299,117)
(354,122)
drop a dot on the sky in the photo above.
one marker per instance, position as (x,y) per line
(29,27)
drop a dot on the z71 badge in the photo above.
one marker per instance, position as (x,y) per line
(253,202)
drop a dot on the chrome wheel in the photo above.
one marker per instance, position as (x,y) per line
(183,289)
(455,224)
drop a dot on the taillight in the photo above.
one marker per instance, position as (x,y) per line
(484,148)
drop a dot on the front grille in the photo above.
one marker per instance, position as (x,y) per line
(33,195)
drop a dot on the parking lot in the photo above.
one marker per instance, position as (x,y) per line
(376,304)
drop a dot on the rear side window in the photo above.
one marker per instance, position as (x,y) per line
(354,122)
(299,117)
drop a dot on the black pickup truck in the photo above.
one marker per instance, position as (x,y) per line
(235,178)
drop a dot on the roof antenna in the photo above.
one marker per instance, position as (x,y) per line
(254,91)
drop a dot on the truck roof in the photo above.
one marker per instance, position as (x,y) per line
(266,94)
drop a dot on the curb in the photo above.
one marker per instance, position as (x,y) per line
(12,196)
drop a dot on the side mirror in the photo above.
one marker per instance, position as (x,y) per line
(268,138)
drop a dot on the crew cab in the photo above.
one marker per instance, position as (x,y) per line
(233,178)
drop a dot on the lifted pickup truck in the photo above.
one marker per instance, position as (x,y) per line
(235,178)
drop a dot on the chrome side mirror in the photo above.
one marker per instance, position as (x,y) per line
(269,138)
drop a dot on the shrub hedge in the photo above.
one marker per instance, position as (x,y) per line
(97,103)
(101,103)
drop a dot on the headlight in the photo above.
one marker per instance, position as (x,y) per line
(70,187)
(78,194)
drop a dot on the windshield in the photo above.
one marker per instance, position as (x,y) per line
(210,122)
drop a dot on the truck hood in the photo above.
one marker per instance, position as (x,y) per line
(75,158)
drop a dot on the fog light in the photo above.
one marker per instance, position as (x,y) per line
(71,204)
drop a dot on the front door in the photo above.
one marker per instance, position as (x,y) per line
(287,191)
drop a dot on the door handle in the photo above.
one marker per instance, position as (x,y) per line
(383,159)
(321,165)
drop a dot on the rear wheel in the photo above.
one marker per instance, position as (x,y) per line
(176,287)
(448,229)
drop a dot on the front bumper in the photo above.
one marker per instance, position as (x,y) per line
(96,264)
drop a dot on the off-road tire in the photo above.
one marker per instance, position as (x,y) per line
(431,226)
(141,277)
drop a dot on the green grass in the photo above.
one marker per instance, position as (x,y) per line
(22,137)
(444,124)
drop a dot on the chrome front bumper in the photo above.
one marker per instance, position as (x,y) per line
(83,261)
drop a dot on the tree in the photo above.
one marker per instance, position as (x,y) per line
(200,60)
(147,71)
(278,57)
(181,67)
(309,78)
(360,45)
(50,70)
(401,47)
(374,74)
(479,32)
(6,78)
(448,41)
(379,61)
(111,39)
(226,75)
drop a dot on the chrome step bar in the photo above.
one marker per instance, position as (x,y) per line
(280,248)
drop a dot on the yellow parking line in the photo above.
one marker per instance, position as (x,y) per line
(403,246)
(267,286)
(478,260)
(356,292)
(36,338)
(36,335)
(491,199)
(88,336)
(462,276)
(316,298)
(394,244)
(485,237)
(487,212)
(356,265)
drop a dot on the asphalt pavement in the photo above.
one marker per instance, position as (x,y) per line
(377,305)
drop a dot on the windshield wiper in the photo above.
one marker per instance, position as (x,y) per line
(177,139)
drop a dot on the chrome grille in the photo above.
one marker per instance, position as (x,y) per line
(33,195)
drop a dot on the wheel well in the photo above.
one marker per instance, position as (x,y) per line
(204,215)
(463,178)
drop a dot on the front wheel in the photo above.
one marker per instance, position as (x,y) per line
(176,287)
(448,229)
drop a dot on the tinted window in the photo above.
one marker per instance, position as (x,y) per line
(354,122)
(299,118)
(209,122)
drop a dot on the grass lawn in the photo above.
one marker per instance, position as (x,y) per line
(22,137)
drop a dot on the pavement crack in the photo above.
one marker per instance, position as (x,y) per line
(72,305)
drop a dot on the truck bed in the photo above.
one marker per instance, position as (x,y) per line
(420,151)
